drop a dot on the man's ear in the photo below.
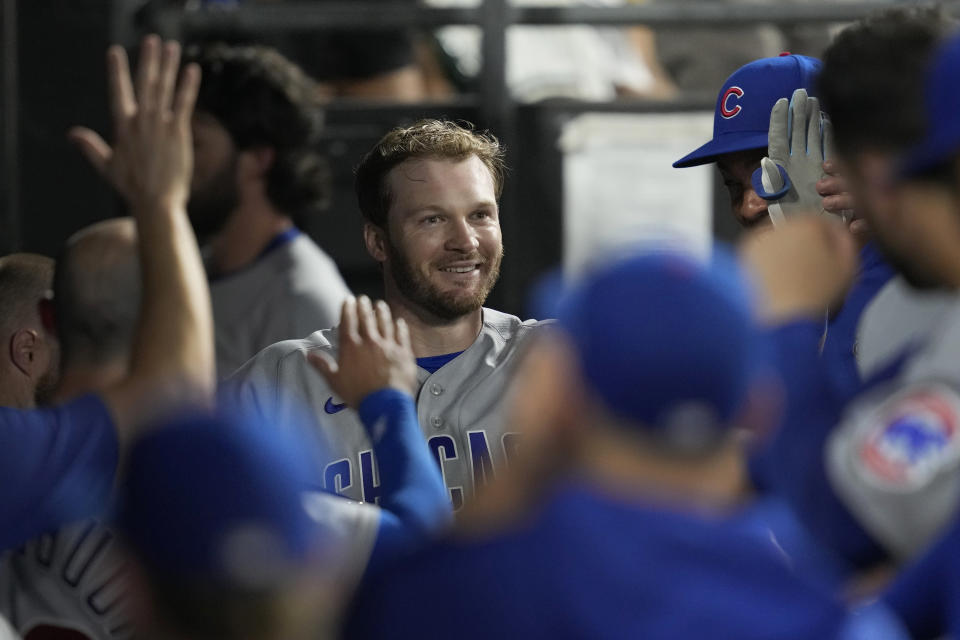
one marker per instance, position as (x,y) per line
(24,350)
(375,238)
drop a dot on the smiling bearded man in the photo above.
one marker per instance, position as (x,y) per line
(429,196)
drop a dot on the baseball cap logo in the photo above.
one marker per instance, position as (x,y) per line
(725,110)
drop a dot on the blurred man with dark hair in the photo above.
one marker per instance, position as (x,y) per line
(29,367)
(258,174)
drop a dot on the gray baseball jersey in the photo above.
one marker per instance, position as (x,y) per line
(289,292)
(898,317)
(71,580)
(460,408)
(895,458)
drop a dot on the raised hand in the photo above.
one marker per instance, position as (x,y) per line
(800,140)
(374,353)
(151,162)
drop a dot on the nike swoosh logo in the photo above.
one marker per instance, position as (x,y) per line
(331,407)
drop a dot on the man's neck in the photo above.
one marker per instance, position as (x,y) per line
(431,337)
(248,232)
(78,379)
(14,395)
(616,464)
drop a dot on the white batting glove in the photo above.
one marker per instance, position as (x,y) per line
(800,140)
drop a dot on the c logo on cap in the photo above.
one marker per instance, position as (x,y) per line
(725,111)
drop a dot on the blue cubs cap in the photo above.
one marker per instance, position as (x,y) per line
(219,500)
(664,339)
(741,118)
(942,102)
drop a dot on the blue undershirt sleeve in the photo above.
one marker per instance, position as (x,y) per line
(57,465)
(414,501)
(791,463)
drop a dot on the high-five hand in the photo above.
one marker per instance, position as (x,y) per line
(374,353)
(151,161)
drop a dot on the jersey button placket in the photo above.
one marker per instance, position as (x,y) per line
(436,389)
(436,422)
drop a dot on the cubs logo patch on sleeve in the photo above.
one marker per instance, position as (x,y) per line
(910,438)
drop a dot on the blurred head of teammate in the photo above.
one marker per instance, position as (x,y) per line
(218,519)
(96,302)
(655,362)
(872,87)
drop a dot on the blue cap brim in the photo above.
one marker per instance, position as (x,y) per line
(932,152)
(717,147)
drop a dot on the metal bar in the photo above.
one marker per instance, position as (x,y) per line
(10,227)
(495,102)
(700,14)
(312,16)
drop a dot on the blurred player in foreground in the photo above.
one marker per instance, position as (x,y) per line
(630,414)
(429,196)
(228,521)
(912,439)
(59,463)
(872,476)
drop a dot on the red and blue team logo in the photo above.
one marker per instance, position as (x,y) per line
(725,109)
(912,440)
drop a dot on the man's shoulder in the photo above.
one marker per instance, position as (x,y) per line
(506,327)
(289,353)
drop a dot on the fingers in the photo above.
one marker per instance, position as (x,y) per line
(348,321)
(799,114)
(148,70)
(777,139)
(123,105)
(93,147)
(814,130)
(384,321)
(770,176)
(323,363)
(169,68)
(366,320)
(827,142)
(838,204)
(186,98)
(403,334)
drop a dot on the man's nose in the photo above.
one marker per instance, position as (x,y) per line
(753,207)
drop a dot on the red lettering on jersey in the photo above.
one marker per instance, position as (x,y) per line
(725,110)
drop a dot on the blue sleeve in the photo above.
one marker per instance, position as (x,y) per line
(57,465)
(926,594)
(414,499)
(791,462)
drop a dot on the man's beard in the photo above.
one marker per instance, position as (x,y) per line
(445,306)
(211,206)
(906,267)
(47,385)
